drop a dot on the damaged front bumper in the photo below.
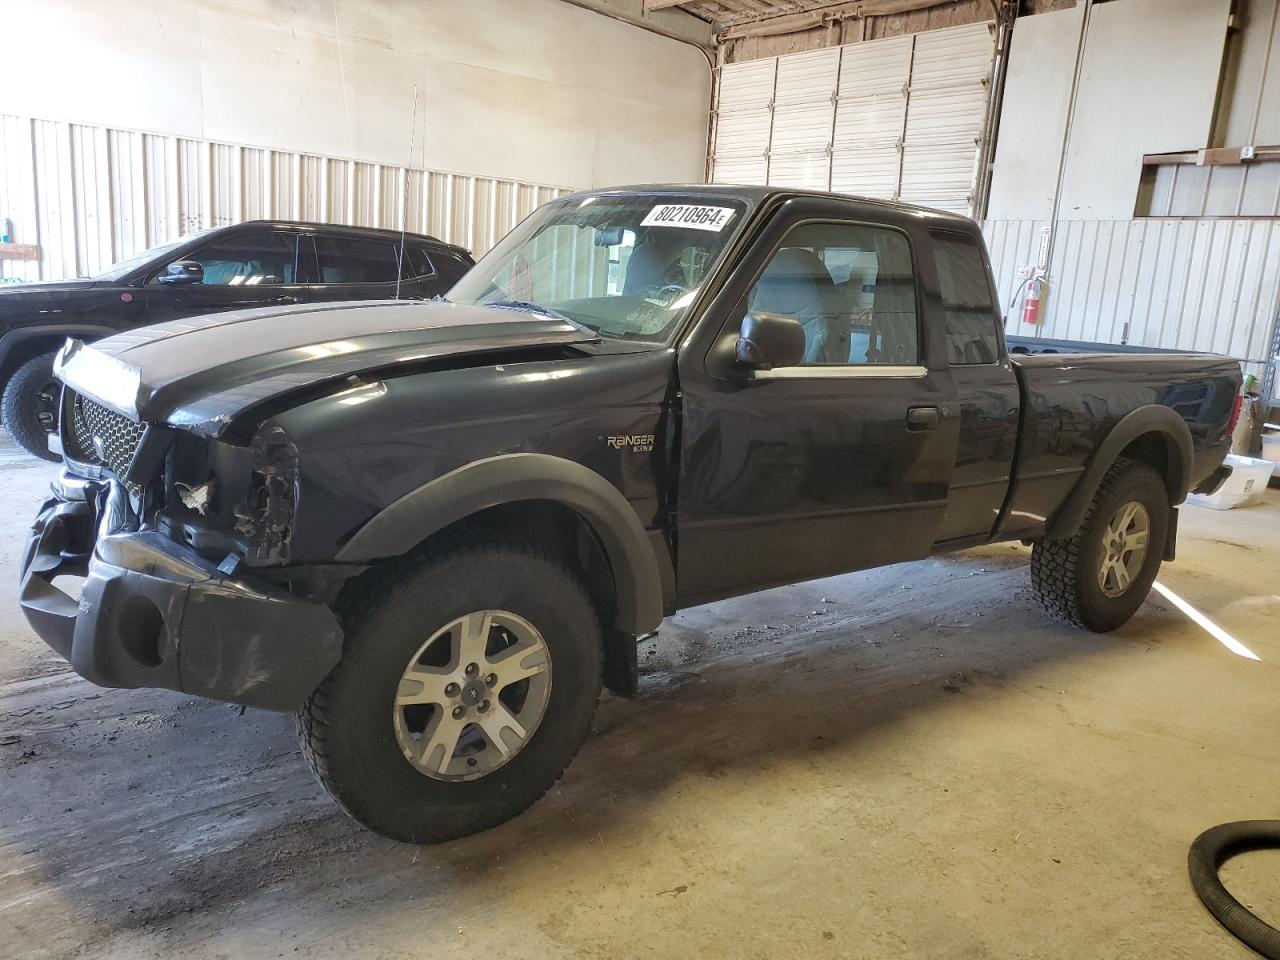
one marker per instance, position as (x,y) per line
(153,613)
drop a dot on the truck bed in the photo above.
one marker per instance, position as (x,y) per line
(1072,401)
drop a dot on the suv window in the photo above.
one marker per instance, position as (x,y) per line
(969,311)
(417,263)
(248,259)
(851,286)
(353,260)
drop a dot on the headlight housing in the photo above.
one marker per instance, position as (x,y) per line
(264,518)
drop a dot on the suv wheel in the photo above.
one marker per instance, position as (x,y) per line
(29,407)
(1098,578)
(467,683)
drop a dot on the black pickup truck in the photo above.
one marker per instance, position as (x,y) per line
(434,530)
(257,263)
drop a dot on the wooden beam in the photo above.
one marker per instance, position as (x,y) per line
(19,251)
(820,16)
(651,5)
(1213,157)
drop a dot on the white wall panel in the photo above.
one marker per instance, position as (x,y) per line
(89,196)
(534,90)
(1211,285)
(1033,115)
(1148,84)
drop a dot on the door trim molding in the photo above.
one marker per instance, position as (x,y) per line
(852,371)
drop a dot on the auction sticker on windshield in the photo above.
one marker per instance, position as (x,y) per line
(690,216)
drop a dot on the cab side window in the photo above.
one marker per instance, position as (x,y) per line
(969,311)
(249,259)
(852,288)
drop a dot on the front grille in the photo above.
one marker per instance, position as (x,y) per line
(95,428)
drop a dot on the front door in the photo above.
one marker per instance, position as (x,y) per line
(838,463)
(250,267)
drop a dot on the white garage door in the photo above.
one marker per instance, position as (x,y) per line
(902,118)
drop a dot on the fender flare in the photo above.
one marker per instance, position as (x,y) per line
(1152,419)
(87,331)
(510,478)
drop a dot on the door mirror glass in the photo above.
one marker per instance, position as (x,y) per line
(769,340)
(182,272)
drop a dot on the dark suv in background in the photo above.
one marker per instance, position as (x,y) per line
(253,264)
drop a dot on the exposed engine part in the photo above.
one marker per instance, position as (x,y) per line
(265,519)
(198,498)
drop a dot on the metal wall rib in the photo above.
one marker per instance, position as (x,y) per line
(89,196)
(1211,285)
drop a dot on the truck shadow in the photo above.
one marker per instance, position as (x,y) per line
(196,810)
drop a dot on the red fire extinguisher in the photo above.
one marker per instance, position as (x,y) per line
(1031,304)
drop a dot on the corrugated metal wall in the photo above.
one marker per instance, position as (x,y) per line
(1209,285)
(89,196)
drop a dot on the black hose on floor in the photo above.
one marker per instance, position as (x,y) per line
(1210,850)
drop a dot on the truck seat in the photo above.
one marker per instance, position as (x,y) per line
(796,284)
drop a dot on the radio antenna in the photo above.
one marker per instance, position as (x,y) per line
(404,198)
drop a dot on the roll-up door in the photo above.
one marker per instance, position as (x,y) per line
(743,119)
(946,115)
(800,147)
(899,118)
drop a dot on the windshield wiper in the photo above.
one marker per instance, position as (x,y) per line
(529,306)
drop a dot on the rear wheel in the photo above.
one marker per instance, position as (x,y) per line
(467,683)
(29,407)
(1098,578)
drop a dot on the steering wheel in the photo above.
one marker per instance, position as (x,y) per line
(668,293)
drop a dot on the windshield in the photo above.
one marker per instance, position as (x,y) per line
(122,268)
(627,267)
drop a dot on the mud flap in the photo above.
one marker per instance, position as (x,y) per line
(622,664)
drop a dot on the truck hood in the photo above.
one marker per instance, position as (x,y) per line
(199,373)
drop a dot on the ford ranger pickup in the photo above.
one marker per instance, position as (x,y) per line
(434,530)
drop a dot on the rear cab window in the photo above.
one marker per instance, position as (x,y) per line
(969,310)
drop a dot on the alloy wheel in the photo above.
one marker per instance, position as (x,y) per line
(473,695)
(1124,548)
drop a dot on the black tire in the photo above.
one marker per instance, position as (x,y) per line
(31,395)
(1064,573)
(346,726)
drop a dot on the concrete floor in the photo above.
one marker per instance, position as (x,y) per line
(908,762)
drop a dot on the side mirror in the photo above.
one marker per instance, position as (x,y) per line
(182,272)
(769,340)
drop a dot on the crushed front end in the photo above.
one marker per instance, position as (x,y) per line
(182,542)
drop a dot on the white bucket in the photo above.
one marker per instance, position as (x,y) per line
(1247,483)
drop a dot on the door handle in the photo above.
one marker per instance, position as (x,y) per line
(922,418)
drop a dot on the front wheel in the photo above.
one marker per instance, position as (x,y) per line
(29,406)
(1098,578)
(467,683)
